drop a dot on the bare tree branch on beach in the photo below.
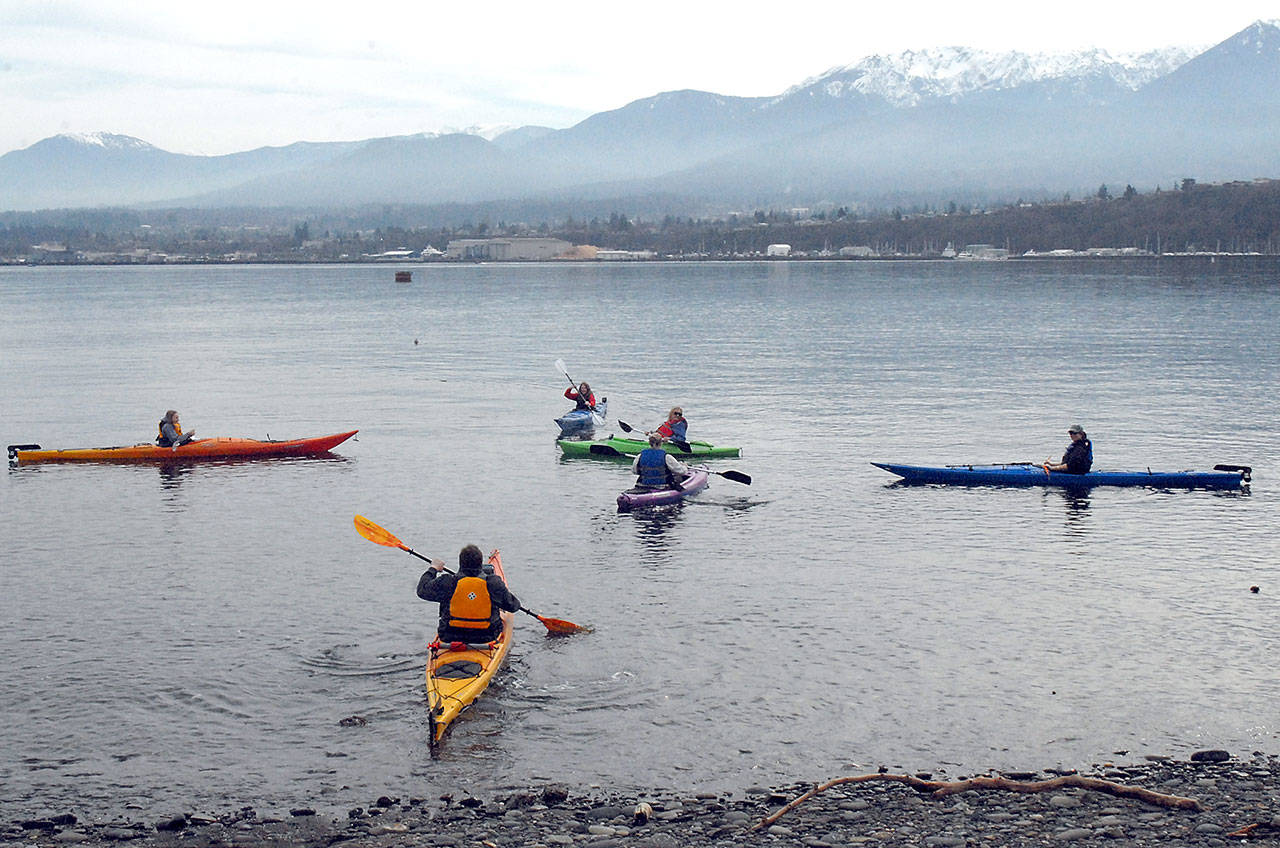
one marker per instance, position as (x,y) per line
(940,789)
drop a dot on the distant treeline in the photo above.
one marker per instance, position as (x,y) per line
(1238,217)
(1232,217)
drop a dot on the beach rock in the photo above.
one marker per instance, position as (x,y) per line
(38,824)
(121,834)
(1211,756)
(70,837)
(553,795)
(1072,834)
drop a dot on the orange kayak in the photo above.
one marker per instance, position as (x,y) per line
(457,673)
(222,447)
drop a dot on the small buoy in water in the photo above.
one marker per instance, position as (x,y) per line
(415,341)
(1254,589)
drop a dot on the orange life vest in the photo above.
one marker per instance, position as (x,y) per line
(470,606)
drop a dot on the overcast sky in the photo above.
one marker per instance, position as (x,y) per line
(238,74)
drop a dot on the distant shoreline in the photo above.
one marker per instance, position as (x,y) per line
(427,264)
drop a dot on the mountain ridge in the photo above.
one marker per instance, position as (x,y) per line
(945,121)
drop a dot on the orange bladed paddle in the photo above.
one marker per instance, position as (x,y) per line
(382,536)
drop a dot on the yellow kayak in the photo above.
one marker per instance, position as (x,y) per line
(456,678)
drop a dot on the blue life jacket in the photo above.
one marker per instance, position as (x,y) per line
(652,467)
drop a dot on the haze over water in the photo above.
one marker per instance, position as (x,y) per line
(190,638)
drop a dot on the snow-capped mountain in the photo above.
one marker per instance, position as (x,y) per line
(942,124)
(105,140)
(950,73)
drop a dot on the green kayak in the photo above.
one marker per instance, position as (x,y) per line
(616,446)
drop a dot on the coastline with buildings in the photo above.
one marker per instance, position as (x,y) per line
(1230,219)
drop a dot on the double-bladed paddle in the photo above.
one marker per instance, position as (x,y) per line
(573,385)
(735,476)
(684,447)
(382,536)
(565,372)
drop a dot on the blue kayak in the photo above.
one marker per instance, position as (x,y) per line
(1029,474)
(581,422)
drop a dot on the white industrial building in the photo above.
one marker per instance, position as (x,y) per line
(504,249)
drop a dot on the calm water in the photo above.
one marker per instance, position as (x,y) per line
(189,639)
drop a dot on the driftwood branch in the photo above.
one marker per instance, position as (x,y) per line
(939,789)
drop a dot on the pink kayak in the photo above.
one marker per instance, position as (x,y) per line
(636,498)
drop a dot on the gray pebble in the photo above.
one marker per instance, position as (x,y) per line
(120,834)
(1073,834)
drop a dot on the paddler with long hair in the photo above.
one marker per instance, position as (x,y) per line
(171,435)
(675,428)
(471,601)
(582,396)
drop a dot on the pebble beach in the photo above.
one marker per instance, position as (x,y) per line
(1237,799)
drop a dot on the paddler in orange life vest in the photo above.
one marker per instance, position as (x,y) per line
(171,434)
(657,469)
(471,601)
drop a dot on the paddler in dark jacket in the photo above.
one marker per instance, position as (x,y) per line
(171,434)
(471,601)
(657,469)
(1079,456)
(582,396)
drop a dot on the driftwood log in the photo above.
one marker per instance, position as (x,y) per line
(939,789)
